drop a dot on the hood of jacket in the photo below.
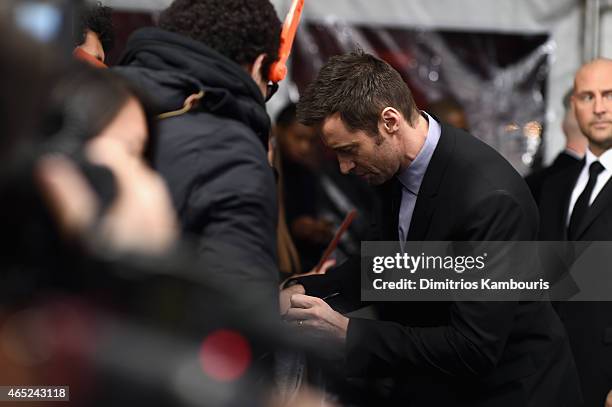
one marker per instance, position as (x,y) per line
(170,67)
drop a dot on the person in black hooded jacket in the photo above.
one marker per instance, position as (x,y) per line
(206,68)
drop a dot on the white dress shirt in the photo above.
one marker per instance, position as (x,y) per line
(606,160)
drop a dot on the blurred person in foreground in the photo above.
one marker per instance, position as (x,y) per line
(575,147)
(439,184)
(91,270)
(82,107)
(576,205)
(42,216)
(206,67)
(91,99)
(89,107)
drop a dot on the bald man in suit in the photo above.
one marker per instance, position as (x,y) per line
(576,205)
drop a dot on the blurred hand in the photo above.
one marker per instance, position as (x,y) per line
(140,219)
(609,399)
(305,396)
(68,195)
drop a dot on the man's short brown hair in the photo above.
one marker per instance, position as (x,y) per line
(358,86)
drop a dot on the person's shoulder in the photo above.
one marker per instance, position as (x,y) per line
(223,154)
(565,159)
(475,159)
(536,178)
(214,136)
(468,145)
(566,174)
(232,145)
(561,180)
(478,174)
(463,147)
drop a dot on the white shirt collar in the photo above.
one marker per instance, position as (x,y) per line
(412,176)
(605,159)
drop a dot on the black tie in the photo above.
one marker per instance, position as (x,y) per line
(582,204)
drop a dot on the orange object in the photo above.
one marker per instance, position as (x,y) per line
(334,243)
(278,70)
(79,54)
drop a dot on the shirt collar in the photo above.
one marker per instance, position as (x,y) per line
(605,159)
(412,176)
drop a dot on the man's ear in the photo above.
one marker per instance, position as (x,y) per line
(255,72)
(391,120)
(573,102)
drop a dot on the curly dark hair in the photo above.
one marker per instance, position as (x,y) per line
(239,29)
(358,86)
(99,19)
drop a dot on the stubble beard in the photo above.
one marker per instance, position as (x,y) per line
(599,142)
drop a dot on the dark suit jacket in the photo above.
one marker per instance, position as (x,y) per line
(536,179)
(460,353)
(589,324)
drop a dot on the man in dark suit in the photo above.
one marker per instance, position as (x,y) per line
(575,146)
(439,184)
(576,205)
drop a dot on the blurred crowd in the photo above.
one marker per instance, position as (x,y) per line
(111,282)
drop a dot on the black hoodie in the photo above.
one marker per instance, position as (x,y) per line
(213,158)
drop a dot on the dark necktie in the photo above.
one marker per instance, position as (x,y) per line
(582,204)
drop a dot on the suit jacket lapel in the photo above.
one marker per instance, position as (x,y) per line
(554,202)
(566,180)
(396,202)
(427,198)
(601,202)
